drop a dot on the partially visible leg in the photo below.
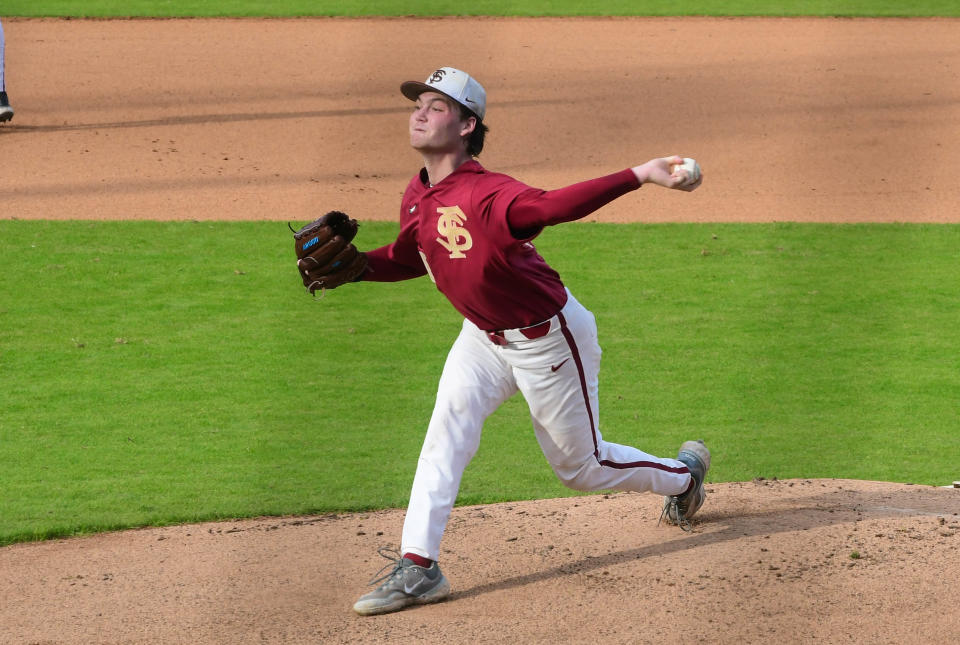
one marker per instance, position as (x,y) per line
(2,61)
(6,112)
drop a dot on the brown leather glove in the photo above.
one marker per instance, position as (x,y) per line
(326,256)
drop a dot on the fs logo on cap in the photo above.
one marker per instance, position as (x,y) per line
(437,76)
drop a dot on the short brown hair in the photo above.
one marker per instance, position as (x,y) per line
(476,138)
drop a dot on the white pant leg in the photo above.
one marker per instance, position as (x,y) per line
(564,410)
(474,383)
(2,85)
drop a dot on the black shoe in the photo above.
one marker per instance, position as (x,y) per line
(6,112)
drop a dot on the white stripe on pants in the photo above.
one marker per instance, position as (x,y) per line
(479,375)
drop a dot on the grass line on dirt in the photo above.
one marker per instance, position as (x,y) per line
(280,8)
(156,373)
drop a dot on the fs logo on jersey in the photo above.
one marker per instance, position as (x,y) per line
(453,236)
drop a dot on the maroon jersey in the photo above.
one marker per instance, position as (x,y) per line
(472,232)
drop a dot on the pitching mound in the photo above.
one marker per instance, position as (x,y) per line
(769,561)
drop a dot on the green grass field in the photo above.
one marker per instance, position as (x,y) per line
(101,8)
(150,375)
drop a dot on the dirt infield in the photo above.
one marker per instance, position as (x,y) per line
(799,120)
(771,561)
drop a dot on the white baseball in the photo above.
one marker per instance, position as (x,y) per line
(692,168)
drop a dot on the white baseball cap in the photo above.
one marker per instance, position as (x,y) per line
(451,82)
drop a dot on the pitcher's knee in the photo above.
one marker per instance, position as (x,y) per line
(578,478)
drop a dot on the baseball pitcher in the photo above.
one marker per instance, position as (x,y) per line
(471,232)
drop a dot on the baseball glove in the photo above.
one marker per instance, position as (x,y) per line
(326,256)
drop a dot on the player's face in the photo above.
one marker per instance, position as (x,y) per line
(435,124)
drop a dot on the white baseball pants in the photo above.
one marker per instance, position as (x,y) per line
(558,376)
(2,44)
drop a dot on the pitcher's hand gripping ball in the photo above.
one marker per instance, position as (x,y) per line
(326,256)
(693,173)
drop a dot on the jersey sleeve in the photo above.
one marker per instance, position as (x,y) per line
(398,260)
(533,209)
